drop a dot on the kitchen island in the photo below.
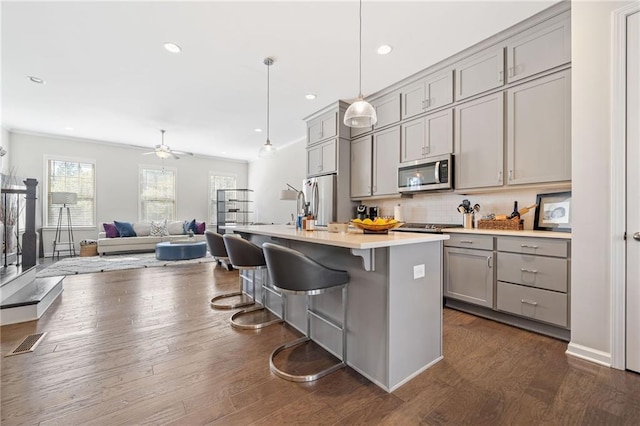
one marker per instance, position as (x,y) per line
(394,312)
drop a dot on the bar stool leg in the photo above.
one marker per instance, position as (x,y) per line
(313,376)
(234,318)
(216,299)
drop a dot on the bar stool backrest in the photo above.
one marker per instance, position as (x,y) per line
(243,253)
(216,244)
(293,271)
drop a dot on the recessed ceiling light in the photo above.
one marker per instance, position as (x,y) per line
(257,130)
(172,47)
(384,49)
(35,79)
(68,128)
(310,96)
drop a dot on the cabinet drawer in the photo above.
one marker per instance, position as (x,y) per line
(533,303)
(536,271)
(472,241)
(540,246)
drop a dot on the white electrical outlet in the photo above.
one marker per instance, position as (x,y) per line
(418,271)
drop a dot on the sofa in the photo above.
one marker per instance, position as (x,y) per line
(143,241)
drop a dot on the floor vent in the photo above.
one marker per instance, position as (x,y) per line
(29,344)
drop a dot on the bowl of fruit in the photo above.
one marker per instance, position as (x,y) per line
(378,226)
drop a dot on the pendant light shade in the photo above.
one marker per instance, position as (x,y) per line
(360,113)
(267,150)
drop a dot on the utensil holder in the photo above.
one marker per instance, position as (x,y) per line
(467,220)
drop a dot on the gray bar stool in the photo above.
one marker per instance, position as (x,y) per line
(219,252)
(217,249)
(294,273)
(246,256)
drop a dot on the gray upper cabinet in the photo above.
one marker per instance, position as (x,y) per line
(374,164)
(479,142)
(361,167)
(386,153)
(539,130)
(481,72)
(431,135)
(322,128)
(322,158)
(433,91)
(387,109)
(542,47)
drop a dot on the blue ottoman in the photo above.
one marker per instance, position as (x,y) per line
(180,250)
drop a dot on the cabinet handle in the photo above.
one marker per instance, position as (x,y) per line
(466,241)
(319,168)
(528,246)
(427,102)
(500,76)
(512,71)
(423,105)
(510,175)
(528,302)
(427,150)
(489,261)
(500,177)
(531,271)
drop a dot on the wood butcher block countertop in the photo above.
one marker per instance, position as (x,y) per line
(354,239)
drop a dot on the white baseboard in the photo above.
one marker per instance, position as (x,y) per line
(589,354)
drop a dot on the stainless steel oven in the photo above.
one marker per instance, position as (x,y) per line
(424,175)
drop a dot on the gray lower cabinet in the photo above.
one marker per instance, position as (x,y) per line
(431,135)
(539,130)
(533,278)
(479,143)
(469,273)
(322,158)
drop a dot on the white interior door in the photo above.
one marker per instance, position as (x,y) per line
(633,193)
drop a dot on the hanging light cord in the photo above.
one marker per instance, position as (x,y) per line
(360,55)
(268,66)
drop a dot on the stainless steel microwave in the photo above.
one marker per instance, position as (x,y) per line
(433,173)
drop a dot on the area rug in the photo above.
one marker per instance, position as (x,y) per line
(88,265)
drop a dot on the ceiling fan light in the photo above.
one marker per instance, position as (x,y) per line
(163,154)
(360,114)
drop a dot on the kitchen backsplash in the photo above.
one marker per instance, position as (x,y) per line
(442,207)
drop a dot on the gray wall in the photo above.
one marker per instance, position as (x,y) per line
(117,177)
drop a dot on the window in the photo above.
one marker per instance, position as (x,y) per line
(77,177)
(216,182)
(157,193)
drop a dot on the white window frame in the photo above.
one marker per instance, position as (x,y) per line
(174,170)
(211,201)
(45,198)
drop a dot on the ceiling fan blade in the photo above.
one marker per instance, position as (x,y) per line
(182,153)
(175,156)
(148,153)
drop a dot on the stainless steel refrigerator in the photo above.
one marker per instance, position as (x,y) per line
(320,192)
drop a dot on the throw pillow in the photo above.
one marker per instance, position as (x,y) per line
(185,227)
(200,227)
(159,229)
(125,229)
(142,228)
(190,226)
(111,230)
(175,227)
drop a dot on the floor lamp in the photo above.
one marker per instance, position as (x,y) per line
(66,199)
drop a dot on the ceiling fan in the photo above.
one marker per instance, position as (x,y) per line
(163,151)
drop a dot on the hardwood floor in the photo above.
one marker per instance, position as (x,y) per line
(144,347)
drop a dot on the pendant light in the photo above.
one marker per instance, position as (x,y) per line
(267,150)
(360,113)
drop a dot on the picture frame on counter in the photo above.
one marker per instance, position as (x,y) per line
(553,212)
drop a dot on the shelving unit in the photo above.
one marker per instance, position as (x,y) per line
(233,207)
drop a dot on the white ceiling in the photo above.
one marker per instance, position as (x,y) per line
(110,79)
